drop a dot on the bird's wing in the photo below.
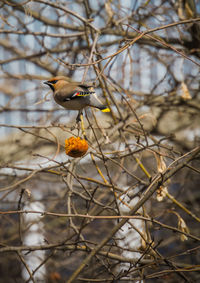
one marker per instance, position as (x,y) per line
(85,85)
(82,91)
(69,92)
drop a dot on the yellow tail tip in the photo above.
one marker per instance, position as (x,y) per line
(106,110)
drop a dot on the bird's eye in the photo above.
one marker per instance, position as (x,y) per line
(53,82)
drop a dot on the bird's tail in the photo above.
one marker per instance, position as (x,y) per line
(95,102)
(104,108)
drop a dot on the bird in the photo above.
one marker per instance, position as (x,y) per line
(74,95)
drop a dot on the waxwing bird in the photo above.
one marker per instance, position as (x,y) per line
(74,95)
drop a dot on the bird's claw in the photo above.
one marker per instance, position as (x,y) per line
(78,118)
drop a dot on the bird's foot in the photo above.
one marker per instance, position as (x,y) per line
(78,118)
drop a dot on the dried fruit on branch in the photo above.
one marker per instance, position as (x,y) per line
(76,147)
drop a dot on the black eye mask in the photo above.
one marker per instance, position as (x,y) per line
(52,82)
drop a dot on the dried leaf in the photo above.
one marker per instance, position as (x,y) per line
(183,227)
(161,165)
(109,10)
(190,9)
(161,193)
(28,192)
(185,94)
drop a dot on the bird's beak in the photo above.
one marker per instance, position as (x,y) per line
(49,84)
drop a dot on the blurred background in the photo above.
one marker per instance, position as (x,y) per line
(151,83)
